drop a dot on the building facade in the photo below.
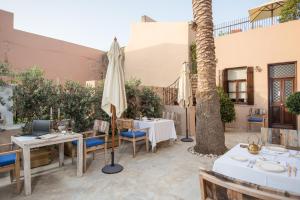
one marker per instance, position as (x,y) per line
(256,67)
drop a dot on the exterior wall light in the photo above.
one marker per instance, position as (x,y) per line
(258,69)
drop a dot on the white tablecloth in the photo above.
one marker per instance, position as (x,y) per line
(159,130)
(227,166)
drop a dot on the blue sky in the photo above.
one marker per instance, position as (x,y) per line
(94,23)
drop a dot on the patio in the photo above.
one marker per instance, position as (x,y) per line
(158,175)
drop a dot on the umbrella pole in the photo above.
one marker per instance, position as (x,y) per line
(186,139)
(112,168)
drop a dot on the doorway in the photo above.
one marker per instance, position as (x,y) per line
(282,83)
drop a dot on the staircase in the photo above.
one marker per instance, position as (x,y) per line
(170,93)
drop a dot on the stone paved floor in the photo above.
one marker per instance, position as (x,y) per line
(170,173)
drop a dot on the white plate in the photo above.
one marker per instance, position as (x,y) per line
(277,149)
(239,158)
(271,167)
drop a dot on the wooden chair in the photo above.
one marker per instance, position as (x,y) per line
(287,138)
(215,186)
(169,115)
(128,133)
(256,116)
(93,141)
(10,162)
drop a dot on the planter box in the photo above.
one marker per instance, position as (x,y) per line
(41,156)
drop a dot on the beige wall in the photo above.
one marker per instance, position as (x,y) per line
(59,59)
(156,51)
(259,47)
(180,122)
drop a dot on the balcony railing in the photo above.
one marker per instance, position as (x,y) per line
(241,25)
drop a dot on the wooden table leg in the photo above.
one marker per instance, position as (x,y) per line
(80,156)
(27,170)
(61,154)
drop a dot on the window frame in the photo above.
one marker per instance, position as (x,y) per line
(237,81)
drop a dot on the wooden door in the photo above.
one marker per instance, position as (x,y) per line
(281,85)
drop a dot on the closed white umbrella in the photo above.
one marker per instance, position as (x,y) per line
(185,96)
(184,87)
(114,85)
(114,96)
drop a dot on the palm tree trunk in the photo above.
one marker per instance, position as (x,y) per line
(210,137)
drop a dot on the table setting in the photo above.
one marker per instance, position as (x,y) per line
(272,166)
(159,129)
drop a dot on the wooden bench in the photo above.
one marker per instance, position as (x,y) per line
(216,187)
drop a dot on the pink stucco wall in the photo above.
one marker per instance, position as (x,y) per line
(260,47)
(156,51)
(59,59)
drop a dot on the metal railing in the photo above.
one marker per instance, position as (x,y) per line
(243,24)
(170,94)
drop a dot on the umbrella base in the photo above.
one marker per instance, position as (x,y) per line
(186,139)
(112,169)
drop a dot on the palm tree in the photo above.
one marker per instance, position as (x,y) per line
(210,137)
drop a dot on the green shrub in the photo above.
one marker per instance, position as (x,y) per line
(76,104)
(193,54)
(5,73)
(293,103)
(226,107)
(132,88)
(33,96)
(150,103)
(290,11)
(141,100)
(97,112)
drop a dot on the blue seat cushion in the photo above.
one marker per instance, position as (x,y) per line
(130,134)
(255,119)
(91,142)
(7,159)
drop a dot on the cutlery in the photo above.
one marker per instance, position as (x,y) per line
(289,169)
(295,171)
(248,165)
(253,163)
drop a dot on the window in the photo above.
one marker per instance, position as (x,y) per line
(238,83)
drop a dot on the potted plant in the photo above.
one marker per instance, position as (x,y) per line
(226,107)
(293,105)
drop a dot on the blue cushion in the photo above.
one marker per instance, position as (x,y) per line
(255,119)
(7,159)
(91,142)
(130,134)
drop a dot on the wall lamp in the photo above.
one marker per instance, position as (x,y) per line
(258,69)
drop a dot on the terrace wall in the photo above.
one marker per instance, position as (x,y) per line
(59,59)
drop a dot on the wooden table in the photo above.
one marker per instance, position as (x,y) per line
(27,143)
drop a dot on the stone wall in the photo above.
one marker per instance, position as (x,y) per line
(6,93)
